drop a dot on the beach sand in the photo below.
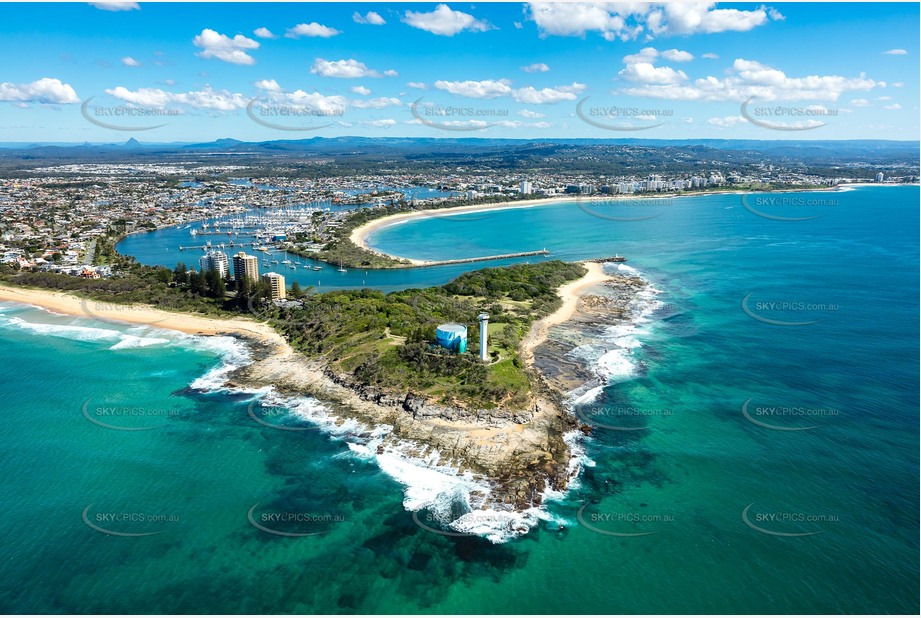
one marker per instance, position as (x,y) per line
(68,304)
(570,293)
(359,235)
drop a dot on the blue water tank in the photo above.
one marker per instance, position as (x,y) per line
(452,337)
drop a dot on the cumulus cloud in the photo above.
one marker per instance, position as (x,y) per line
(117,6)
(526,113)
(627,20)
(484,89)
(534,96)
(264,33)
(416,85)
(727,121)
(746,79)
(269,85)
(710,56)
(346,69)
(860,103)
(128,61)
(893,106)
(384,123)
(313,29)
(45,90)
(361,90)
(445,22)
(640,68)
(490,89)
(376,103)
(222,47)
(207,98)
(895,52)
(370,17)
(676,55)
(537,67)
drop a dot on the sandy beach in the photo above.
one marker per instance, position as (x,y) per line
(570,294)
(359,235)
(67,304)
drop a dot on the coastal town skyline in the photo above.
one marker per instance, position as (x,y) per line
(108,72)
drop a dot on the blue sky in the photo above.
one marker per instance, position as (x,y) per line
(523,70)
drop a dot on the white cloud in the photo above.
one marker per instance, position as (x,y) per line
(376,103)
(264,33)
(534,96)
(206,98)
(128,61)
(361,90)
(45,90)
(893,106)
(313,29)
(445,22)
(347,69)
(676,55)
(898,84)
(537,67)
(744,80)
(727,121)
(518,25)
(222,47)
(269,85)
(416,85)
(688,120)
(391,73)
(370,17)
(384,123)
(627,20)
(883,98)
(526,113)
(490,89)
(640,68)
(860,103)
(710,56)
(485,89)
(117,6)
(895,52)
(646,73)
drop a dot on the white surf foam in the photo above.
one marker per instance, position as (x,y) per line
(66,331)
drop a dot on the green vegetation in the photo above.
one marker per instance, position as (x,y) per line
(385,341)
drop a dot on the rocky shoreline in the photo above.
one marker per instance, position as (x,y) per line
(521,453)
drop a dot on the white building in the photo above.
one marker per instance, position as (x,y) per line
(527,187)
(214,260)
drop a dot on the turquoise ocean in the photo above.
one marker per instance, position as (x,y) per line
(755,446)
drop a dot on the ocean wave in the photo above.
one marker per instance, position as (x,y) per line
(66,331)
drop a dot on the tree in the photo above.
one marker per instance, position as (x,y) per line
(215,284)
(296,291)
(181,274)
(245,289)
(163,275)
(197,283)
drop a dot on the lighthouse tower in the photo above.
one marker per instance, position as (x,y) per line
(484,349)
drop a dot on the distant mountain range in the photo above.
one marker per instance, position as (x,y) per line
(344,154)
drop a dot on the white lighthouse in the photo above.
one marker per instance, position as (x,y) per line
(484,323)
